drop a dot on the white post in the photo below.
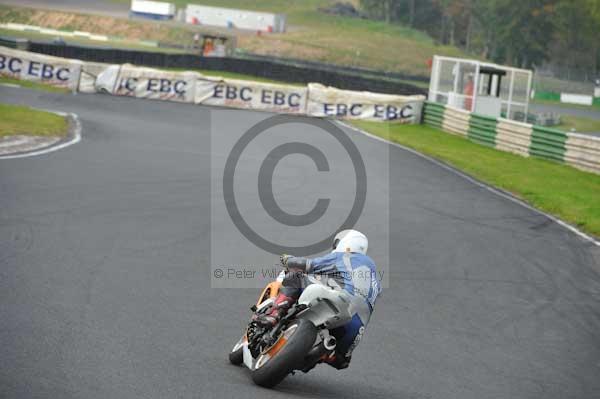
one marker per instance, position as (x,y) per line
(510,93)
(529,81)
(456,75)
(434,83)
(475,87)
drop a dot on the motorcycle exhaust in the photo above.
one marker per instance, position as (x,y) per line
(315,354)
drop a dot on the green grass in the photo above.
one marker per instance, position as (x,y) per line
(33,85)
(351,42)
(312,35)
(581,125)
(559,189)
(122,44)
(553,98)
(20,120)
(595,106)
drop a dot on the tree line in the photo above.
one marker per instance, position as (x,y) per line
(521,33)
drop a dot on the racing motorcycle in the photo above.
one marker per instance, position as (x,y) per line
(300,340)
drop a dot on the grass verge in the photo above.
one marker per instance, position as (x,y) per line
(561,190)
(33,85)
(312,34)
(581,125)
(21,120)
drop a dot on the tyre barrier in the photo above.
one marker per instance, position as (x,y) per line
(192,87)
(578,150)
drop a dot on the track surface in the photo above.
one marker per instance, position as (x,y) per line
(105,286)
(101,7)
(564,109)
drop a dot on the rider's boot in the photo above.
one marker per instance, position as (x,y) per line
(337,361)
(280,307)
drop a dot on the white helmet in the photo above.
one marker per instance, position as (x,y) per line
(350,241)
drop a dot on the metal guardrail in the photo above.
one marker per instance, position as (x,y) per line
(12,42)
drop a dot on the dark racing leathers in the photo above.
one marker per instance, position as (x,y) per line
(352,272)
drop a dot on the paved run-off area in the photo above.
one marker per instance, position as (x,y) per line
(105,275)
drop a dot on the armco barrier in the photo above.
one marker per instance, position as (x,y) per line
(580,151)
(269,69)
(21,44)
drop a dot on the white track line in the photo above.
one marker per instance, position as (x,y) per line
(457,172)
(22,140)
(43,151)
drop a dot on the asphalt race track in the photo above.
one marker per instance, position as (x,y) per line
(105,288)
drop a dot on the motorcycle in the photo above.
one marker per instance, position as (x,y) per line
(300,340)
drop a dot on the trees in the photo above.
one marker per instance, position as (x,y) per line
(593,7)
(573,32)
(517,32)
(525,30)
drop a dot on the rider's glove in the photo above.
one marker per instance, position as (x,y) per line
(283,259)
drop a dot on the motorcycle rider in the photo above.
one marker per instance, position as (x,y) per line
(346,268)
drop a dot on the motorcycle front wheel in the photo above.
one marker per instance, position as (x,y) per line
(236,356)
(285,355)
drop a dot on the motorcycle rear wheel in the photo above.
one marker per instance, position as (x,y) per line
(286,355)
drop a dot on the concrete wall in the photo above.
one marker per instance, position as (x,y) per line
(232,18)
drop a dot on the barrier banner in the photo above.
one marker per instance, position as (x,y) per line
(24,65)
(89,75)
(345,104)
(148,83)
(205,88)
(252,95)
